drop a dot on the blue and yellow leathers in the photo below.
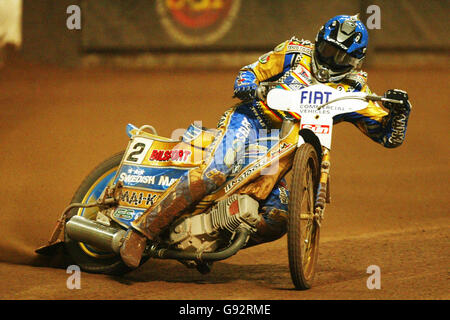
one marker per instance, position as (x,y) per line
(289,65)
(244,131)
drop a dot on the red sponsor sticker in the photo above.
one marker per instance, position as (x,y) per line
(170,155)
(317,128)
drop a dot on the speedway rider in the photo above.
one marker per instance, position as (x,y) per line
(335,60)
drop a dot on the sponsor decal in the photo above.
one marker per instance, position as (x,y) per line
(310,100)
(223,119)
(259,116)
(138,198)
(258,165)
(243,131)
(295,47)
(126,216)
(134,176)
(317,128)
(244,175)
(124,213)
(237,167)
(197,22)
(265,57)
(315,97)
(295,85)
(303,74)
(284,198)
(180,155)
(166,181)
(158,179)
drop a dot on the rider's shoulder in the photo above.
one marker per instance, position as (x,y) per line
(295,45)
(356,79)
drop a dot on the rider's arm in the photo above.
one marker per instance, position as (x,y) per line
(386,128)
(269,67)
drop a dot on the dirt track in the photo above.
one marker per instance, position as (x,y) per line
(389,207)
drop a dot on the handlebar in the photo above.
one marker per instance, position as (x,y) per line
(382,99)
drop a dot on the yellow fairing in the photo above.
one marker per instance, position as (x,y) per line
(165,152)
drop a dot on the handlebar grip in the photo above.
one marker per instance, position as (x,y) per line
(383,99)
(269,84)
(374,97)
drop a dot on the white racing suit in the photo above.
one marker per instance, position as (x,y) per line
(244,131)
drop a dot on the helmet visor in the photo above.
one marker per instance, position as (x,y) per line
(334,58)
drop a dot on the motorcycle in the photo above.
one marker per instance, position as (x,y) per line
(123,187)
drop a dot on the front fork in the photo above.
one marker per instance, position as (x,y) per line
(323,190)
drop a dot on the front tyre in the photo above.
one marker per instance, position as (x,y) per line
(303,232)
(91,259)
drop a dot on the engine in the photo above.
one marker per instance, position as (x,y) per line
(202,232)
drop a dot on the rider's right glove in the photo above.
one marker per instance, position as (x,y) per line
(245,85)
(397,120)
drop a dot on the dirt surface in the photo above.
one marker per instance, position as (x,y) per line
(389,207)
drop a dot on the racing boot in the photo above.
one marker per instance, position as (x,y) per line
(180,195)
(132,248)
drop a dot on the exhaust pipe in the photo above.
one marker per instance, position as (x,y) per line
(239,241)
(98,235)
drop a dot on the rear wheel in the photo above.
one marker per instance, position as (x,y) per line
(88,258)
(303,231)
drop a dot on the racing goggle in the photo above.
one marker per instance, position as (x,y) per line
(335,58)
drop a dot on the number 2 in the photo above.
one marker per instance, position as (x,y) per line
(139,147)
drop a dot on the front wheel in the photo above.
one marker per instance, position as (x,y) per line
(91,259)
(303,232)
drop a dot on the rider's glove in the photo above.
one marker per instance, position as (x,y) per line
(261,93)
(396,108)
(397,120)
(245,85)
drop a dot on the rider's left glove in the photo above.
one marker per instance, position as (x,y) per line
(397,108)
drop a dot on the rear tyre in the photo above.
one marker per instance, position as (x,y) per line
(88,258)
(303,232)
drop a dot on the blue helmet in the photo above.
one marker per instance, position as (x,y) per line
(340,47)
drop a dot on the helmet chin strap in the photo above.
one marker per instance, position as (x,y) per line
(322,74)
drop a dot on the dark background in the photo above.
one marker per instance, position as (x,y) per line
(413,28)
